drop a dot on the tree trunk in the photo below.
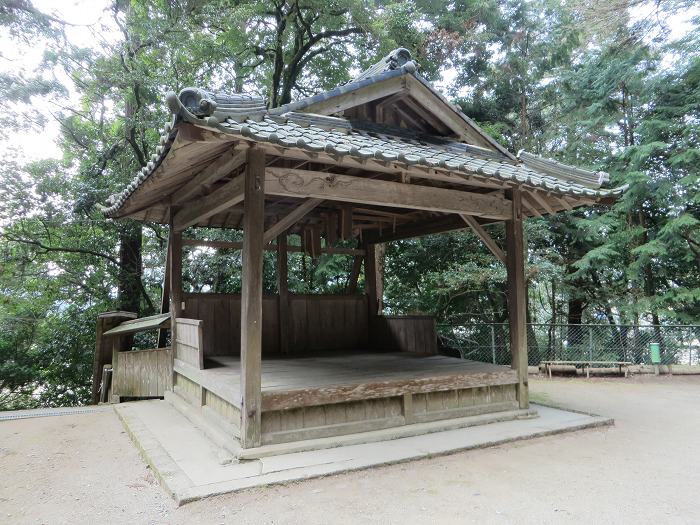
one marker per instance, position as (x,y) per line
(130,268)
(574,317)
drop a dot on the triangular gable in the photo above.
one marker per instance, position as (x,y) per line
(391,93)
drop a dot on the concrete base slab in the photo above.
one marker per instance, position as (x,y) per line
(188,464)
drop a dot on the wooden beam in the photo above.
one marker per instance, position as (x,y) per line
(290,219)
(251,300)
(300,183)
(541,201)
(358,97)
(529,205)
(221,167)
(411,230)
(517,296)
(226,245)
(283,292)
(219,200)
(485,237)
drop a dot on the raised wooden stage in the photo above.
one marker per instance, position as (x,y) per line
(329,394)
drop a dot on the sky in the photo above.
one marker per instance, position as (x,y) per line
(90,17)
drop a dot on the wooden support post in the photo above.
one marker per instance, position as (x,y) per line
(517,296)
(165,297)
(251,299)
(346,222)
(175,245)
(283,290)
(373,279)
(103,347)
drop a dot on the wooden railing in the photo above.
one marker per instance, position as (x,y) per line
(189,346)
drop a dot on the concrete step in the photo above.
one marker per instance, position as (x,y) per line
(217,430)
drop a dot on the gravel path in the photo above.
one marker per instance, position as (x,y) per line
(83,469)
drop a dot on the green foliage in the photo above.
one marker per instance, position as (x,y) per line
(547,76)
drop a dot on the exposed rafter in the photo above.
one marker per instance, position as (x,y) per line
(290,219)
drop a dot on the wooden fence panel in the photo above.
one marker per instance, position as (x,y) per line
(416,334)
(142,373)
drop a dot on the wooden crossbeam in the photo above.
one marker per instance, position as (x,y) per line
(227,245)
(224,165)
(221,199)
(300,183)
(485,237)
(290,219)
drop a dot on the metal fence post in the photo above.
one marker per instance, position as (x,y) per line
(493,344)
(590,343)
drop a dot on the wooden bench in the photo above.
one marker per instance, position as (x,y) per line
(623,366)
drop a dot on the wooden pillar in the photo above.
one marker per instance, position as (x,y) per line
(251,298)
(175,275)
(374,281)
(103,347)
(283,290)
(517,296)
(165,297)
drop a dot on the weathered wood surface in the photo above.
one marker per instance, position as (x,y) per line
(416,334)
(189,346)
(252,299)
(349,417)
(485,237)
(386,373)
(283,293)
(290,219)
(269,247)
(287,182)
(219,200)
(175,273)
(142,373)
(328,395)
(103,347)
(316,322)
(388,388)
(517,295)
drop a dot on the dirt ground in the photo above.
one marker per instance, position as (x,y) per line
(645,469)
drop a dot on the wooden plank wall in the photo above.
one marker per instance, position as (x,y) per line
(142,373)
(317,322)
(416,334)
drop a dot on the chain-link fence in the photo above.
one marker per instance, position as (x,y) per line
(680,344)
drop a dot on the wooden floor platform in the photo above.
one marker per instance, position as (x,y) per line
(337,393)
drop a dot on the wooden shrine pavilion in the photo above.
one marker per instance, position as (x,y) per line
(381,158)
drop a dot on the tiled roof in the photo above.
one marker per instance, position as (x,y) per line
(248,118)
